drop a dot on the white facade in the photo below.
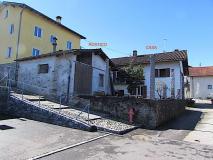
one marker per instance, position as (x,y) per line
(166,80)
(99,68)
(123,87)
(178,82)
(56,82)
(201,87)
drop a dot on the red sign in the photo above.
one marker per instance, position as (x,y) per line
(97,44)
(151,47)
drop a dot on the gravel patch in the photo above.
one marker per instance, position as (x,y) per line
(112,124)
(100,120)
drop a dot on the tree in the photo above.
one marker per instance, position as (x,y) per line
(161,89)
(136,75)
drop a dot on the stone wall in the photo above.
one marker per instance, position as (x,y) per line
(3,98)
(148,113)
(5,68)
(23,108)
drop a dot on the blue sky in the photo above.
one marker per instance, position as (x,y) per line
(134,24)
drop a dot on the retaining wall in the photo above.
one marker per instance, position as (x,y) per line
(24,108)
(3,98)
(148,113)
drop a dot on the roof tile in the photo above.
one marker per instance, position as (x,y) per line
(200,71)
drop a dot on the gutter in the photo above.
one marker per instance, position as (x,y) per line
(69,78)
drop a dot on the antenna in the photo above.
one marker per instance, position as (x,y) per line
(164,44)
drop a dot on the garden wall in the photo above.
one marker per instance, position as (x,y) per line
(148,113)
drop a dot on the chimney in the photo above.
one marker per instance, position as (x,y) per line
(135,53)
(58,19)
(54,44)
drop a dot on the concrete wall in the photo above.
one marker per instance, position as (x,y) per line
(166,80)
(30,80)
(148,113)
(199,87)
(99,68)
(55,82)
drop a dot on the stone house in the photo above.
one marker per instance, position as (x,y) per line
(201,82)
(67,73)
(169,71)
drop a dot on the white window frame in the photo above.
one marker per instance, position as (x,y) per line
(35,52)
(6,14)
(69,45)
(37,32)
(101,83)
(51,38)
(11,28)
(9,52)
(209,86)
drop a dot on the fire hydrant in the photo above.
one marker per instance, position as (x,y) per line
(131,114)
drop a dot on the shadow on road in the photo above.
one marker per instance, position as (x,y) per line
(203,106)
(5,117)
(187,121)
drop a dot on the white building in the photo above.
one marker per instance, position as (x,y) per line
(68,73)
(170,68)
(201,82)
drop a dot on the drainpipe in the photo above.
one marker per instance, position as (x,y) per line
(69,77)
(152,77)
(18,42)
(181,80)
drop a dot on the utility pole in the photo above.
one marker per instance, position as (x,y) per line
(164,44)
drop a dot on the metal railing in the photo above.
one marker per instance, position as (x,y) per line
(22,92)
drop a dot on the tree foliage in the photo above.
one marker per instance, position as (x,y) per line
(135,72)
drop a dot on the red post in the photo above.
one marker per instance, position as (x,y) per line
(130,115)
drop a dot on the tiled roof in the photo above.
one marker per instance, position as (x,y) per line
(73,51)
(159,57)
(22,5)
(200,71)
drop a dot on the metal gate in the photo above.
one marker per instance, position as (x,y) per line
(83,79)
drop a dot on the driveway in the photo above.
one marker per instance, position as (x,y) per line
(22,138)
(203,131)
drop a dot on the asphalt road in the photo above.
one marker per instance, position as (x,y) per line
(136,147)
(183,138)
(23,138)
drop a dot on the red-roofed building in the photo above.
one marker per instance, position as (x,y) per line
(170,69)
(201,82)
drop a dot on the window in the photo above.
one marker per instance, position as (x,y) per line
(35,52)
(6,14)
(52,38)
(9,52)
(11,29)
(37,32)
(101,80)
(43,68)
(162,72)
(69,45)
(209,86)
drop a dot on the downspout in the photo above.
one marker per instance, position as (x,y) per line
(182,80)
(18,41)
(69,77)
